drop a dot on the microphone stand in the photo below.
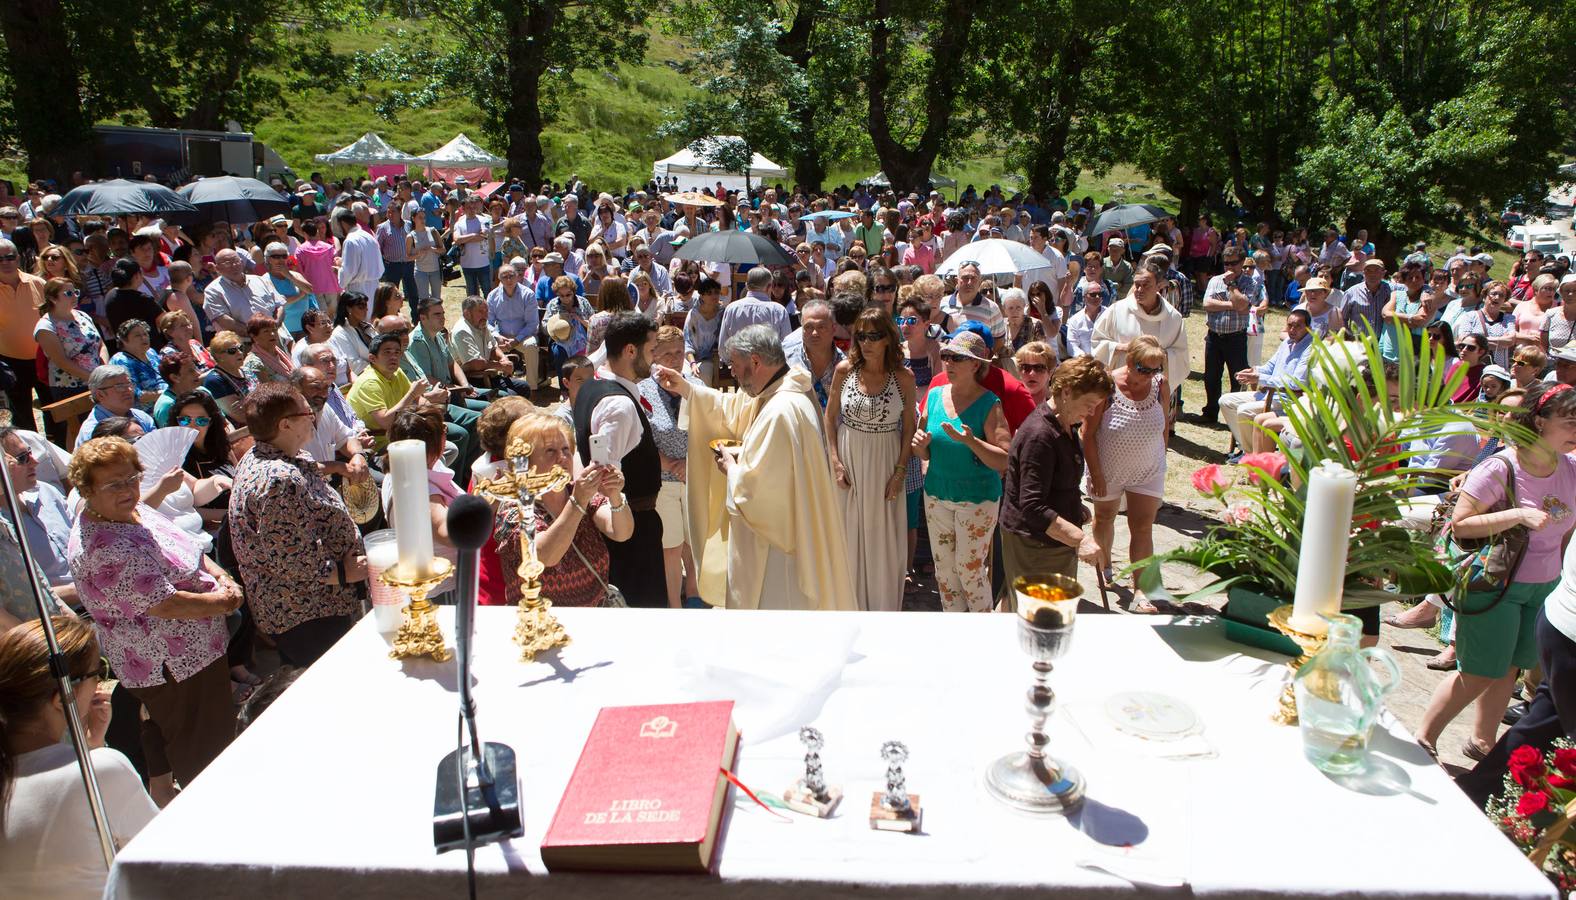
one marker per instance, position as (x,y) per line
(57,668)
(477,796)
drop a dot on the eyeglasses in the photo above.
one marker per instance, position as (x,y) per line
(1033,368)
(130,483)
(1147,370)
(116,386)
(193,421)
(884,288)
(905,321)
(278,256)
(869,337)
(298,415)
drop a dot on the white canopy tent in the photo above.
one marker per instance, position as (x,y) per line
(690,167)
(369,150)
(879,180)
(462,156)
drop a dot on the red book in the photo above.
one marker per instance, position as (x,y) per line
(648,791)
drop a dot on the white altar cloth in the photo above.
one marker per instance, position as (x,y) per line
(329,793)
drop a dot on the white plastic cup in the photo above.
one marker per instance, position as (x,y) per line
(387,601)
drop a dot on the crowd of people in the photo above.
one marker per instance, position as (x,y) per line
(737,436)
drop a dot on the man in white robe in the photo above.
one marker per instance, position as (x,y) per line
(767,531)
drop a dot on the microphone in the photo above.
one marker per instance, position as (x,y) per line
(477,798)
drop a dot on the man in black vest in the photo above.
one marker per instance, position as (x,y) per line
(611,406)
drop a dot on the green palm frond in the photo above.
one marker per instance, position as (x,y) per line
(1351,416)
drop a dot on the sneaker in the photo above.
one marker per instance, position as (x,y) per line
(1234,458)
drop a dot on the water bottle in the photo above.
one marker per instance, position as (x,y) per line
(1339,696)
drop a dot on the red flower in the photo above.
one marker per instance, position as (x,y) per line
(1526,757)
(1263,464)
(1532,803)
(1210,481)
(1527,777)
(1561,782)
(1565,760)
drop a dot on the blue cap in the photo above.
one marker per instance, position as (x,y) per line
(978,328)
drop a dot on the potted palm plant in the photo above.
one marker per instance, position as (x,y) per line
(1350,415)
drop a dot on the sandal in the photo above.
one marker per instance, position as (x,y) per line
(1394,621)
(1474,751)
(1143,607)
(1428,748)
(1444,662)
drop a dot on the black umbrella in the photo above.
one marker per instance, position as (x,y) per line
(121,197)
(229,198)
(1128,215)
(741,248)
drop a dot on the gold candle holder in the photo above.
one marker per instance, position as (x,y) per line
(536,629)
(418,634)
(1280,619)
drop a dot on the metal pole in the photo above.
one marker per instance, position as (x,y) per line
(57,667)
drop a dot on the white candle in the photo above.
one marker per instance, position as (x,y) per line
(412,521)
(1326,532)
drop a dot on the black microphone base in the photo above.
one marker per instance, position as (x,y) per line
(494,812)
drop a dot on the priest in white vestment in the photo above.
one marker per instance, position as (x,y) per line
(765,525)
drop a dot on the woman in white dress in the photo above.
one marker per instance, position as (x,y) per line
(870,415)
(1125,448)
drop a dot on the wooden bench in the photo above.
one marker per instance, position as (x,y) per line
(71,411)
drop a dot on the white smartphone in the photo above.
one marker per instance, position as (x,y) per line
(600,452)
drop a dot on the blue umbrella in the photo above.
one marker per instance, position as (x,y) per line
(830,215)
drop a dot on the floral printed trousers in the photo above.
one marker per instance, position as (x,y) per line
(960,542)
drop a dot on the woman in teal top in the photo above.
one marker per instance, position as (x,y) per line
(291,287)
(1406,304)
(963,433)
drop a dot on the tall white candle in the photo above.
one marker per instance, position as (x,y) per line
(412,521)
(1326,532)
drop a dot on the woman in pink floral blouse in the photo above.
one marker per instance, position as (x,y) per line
(299,553)
(159,608)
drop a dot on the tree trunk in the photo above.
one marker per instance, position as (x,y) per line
(1048,154)
(45,95)
(908,169)
(528,33)
(809,169)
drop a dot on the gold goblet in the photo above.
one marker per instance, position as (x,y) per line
(418,634)
(1280,619)
(536,629)
(1032,780)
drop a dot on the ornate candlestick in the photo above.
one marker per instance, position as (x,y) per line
(536,629)
(1032,780)
(418,634)
(1280,619)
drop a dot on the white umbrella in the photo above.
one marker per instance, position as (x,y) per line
(995,256)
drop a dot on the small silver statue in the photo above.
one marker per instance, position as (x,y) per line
(811,795)
(896,809)
(895,754)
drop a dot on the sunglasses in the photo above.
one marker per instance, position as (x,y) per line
(102,673)
(905,321)
(956,357)
(196,421)
(1146,370)
(7,257)
(21,459)
(885,288)
(869,337)
(71,292)
(1033,368)
(233,351)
